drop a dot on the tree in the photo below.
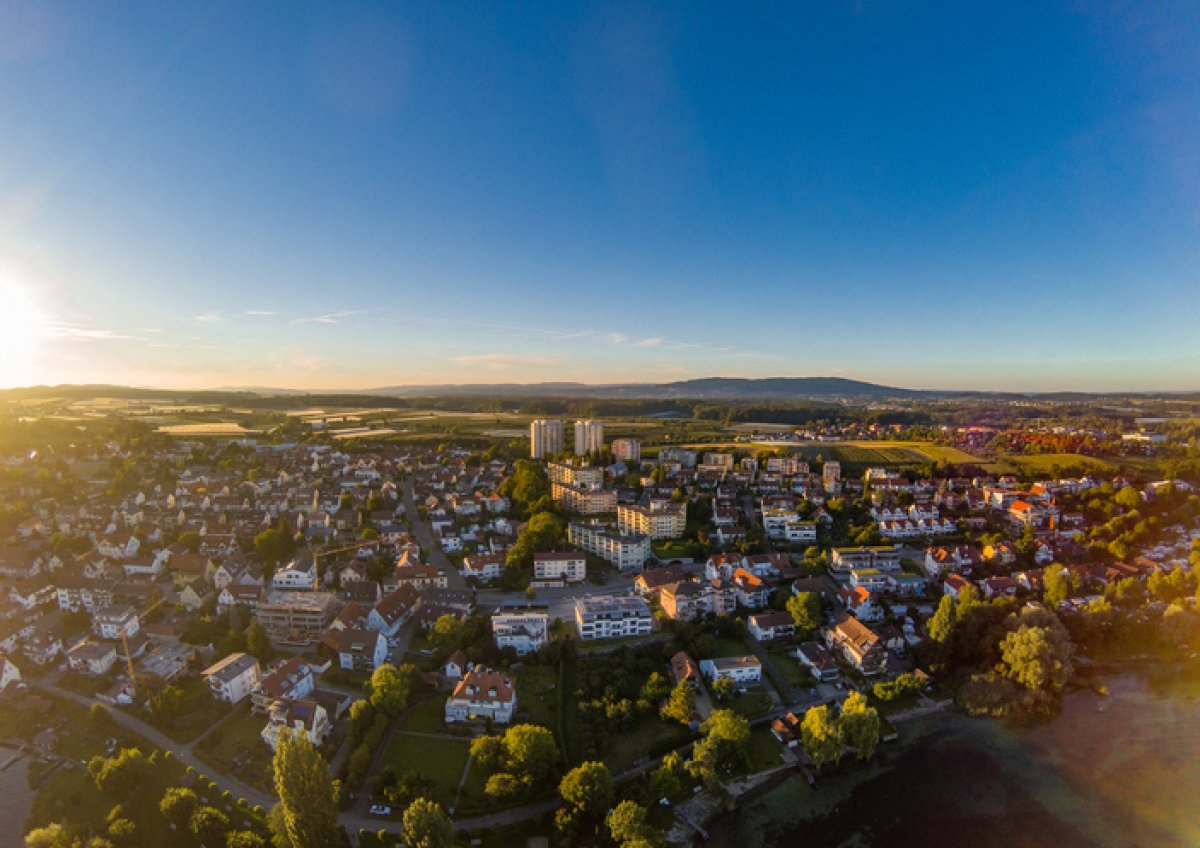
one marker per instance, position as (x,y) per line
(1128,497)
(723,688)
(723,746)
(505,787)
(390,687)
(258,643)
(531,751)
(628,826)
(805,609)
(306,797)
(681,705)
(167,705)
(655,689)
(244,839)
(489,752)
(178,805)
(666,781)
(1057,585)
(859,725)
(190,540)
(1038,658)
(426,825)
(209,825)
(588,788)
(447,631)
(274,546)
(51,836)
(120,774)
(941,626)
(821,735)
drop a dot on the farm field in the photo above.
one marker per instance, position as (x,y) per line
(1044,462)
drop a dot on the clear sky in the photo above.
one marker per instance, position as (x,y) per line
(336,195)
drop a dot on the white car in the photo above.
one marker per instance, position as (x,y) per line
(380,810)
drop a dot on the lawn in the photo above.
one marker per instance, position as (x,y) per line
(731,646)
(429,716)
(650,738)
(537,694)
(788,667)
(203,711)
(762,751)
(440,760)
(1042,463)
(750,704)
(236,748)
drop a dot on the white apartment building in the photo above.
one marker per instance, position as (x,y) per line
(545,437)
(115,622)
(581,476)
(570,566)
(523,630)
(627,551)
(233,678)
(627,450)
(662,519)
(584,500)
(483,567)
(612,616)
(589,437)
(298,575)
(741,670)
(831,472)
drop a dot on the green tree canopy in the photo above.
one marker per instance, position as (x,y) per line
(588,788)
(308,808)
(532,752)
(426,825)
(860,725)
(821,735)
(805,609)
(391,688)
(681,705)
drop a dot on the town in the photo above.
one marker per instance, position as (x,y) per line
(504,642)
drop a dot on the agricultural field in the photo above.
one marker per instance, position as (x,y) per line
(1043,463)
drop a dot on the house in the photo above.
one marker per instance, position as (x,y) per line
(187,567)
(92,658)
(233,678)
(32,592)
(358,649)
(298,575)
(860,603)
(195,594)
(569,566)
(741,670)
(906,585)
(10,675)
(955,584)
(233,595)
(523,630)
(115,622)
(296,716)
(390,614)
(771,625)
(868,578)
(482,694)
(290,679)
(752,592)
(691,599)
(354,572)
(786,729)
(817,658)
(685,670)
(483,567)
(41,646)
(455,666)
(118,545)
(995,587)
(858,644)
(649,582)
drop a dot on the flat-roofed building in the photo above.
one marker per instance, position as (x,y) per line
(627,551)
(612,616)
(296,618)
(661,519)
(570,566)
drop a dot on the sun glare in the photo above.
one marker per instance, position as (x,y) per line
(22,326)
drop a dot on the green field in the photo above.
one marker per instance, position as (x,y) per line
(649,738)
(441,760)
(1043,463)
(236,748)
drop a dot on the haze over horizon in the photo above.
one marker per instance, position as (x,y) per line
(352,197)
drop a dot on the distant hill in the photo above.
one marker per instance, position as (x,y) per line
(708,388)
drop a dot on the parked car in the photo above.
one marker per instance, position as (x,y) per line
(380,810)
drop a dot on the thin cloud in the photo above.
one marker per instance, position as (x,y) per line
(260,313)
(209,318)
(330,317)
(153,330)
(504,361)
(71,331)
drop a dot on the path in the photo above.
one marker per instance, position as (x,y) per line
(182,752)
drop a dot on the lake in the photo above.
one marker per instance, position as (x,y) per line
(1115,770)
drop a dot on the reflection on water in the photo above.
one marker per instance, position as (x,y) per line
(15,800)
(1122,770)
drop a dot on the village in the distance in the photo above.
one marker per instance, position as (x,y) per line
(550,621)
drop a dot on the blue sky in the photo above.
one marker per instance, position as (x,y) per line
(357,195)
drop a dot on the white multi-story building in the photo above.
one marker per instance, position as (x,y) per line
(545,437)
(612,616)
(741,670)
(233,678)
(298,575)
(483,567)
(115,622)
(662,519)
(584,500)
(570,566)
(523,630)
(627,551)
(589,437)
(627,450)
(831,472)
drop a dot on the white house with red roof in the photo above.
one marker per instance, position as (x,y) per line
(483,694)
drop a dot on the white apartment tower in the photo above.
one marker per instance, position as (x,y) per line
(831,472)
(627,450)
(589,437)
(545,437)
